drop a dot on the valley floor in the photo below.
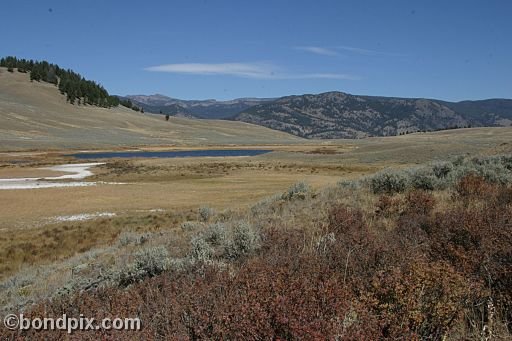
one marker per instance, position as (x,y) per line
(188,183)
(56,227)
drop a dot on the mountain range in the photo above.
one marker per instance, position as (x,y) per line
(209,109)
(338,114)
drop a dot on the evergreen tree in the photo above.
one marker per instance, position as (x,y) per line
(73,85)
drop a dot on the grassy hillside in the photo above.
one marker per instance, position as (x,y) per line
(36,116)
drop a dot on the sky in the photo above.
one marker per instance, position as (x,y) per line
(452,50)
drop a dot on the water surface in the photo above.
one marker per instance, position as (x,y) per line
(173,154)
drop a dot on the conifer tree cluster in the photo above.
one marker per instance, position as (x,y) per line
(127,103)
(76,88)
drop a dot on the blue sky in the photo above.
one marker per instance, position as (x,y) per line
(449,50)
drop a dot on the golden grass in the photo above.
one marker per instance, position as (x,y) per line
(54,242)
(35,115)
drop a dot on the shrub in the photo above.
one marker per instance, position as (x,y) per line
(266,203)
(426,298)
(420,202)
(325,242)
(493,169)
(506,161)
(350,184)
(297,190)
(495,173)
(148,262)
(458,161)
(504,197)
(423,179)
(388,182)
(442,169)
(245,240)
(205,213)
(472,186)
(343,218)
(215,234)
(200,250)
(190,225)
(127,238)
(387,206)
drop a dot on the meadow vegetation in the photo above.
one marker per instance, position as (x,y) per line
(419,253)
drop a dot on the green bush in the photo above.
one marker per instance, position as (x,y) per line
(442,169)
(200,251)
(442,175)
(215,234)
(388,182)
(244,241)
(491,169)
(506,161)
(423,179)
(205,213)
(148,262)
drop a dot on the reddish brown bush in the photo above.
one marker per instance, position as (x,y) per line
(471,187)
(504,196)
(356,251)
(477,241)
(343,219)
(419,202)
(260,302)
(425,298)
(388,206)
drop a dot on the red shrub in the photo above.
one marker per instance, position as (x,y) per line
(472,187)
(343,219)
(388,206)
(424,298)
(419,202)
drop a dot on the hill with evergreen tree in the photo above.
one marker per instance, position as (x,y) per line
(76,88)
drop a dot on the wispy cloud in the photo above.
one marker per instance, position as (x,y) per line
(247,70)
(317,50)
(335,51)
(244,70)
(368,52)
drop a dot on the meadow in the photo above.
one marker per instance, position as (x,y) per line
(226,247)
